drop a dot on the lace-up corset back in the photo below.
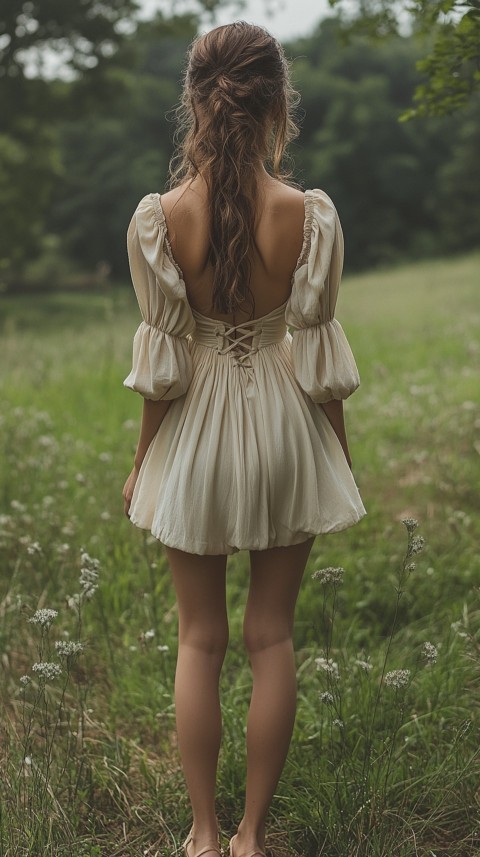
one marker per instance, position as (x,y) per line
(239,342)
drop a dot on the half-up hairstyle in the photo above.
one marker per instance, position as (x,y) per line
(236,109)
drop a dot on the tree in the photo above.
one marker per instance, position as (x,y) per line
(452,30)
(29,166)
(381,174)
(86,34)
(118,148)
(89,31)
(98,155)
(459,186)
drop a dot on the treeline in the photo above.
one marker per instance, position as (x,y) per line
(76,156)
(404,189)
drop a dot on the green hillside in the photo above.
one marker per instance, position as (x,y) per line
(378,766)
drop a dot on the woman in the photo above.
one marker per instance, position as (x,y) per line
(242,443)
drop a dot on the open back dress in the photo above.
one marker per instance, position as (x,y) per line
(245,457)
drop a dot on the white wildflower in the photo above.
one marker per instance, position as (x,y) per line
(47,670)
(63,548)
(364,665)
(415,545)
(33,548)
(89,574)
(73,601)
(67,648)
(430,652)
(329,575)
(43,617)
(69,529)
(326,698)
(397,678)
(328,666)
(41,417)
(17,506)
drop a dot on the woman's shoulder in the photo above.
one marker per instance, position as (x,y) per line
(184,206)
(290,204)
(283,214)
(282,195)
(187,191)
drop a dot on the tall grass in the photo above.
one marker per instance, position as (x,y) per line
(384,755)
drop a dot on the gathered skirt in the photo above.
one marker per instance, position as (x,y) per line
(244,460)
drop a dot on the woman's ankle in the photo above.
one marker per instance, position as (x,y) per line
(205,831)
(251,834)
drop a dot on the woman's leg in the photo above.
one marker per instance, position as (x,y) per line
(276,575)
(202,641)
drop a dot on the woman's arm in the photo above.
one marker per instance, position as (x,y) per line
(334,412)
(152,418)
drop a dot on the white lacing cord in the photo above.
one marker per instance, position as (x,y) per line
(238,343)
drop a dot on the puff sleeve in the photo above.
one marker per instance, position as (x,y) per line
(323,362)
(162,365)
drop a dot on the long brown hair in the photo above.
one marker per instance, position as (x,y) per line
(236,109)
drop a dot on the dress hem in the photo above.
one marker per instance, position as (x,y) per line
(228,550)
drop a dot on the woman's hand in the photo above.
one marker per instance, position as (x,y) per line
(128,489)
(152,418)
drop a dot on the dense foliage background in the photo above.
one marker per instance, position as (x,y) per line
(78,152)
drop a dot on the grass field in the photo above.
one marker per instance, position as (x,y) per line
(382,762)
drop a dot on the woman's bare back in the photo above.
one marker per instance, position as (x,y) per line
(279,239)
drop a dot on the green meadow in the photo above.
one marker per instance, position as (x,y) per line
(384,758)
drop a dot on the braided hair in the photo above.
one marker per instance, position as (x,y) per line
(236,110)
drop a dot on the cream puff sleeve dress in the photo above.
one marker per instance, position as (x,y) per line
(245,457)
